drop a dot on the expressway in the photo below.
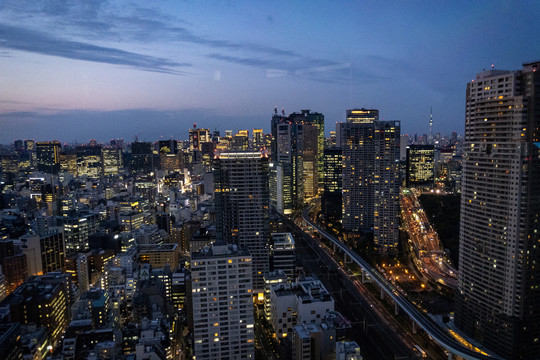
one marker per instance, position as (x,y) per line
(430,327)
(428,254)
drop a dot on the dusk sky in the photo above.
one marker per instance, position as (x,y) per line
(76,70)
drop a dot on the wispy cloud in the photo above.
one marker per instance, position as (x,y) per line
(85,22)
(16,38)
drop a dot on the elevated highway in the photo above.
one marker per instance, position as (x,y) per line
(453,346)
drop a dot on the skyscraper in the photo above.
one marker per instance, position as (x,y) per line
(315,119)
(420,166)
(287,193)
(222,303)
(89,161)
(242,206)
(498,298)
(48,156)
(333,170)
(371,175)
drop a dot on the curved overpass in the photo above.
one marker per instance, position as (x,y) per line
(425,323)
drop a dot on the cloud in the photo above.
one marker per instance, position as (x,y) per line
(16,38)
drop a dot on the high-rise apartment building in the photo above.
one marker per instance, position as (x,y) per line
(221,292)
(371,176)
(498,297)
(48,156)
(242,206)
(420,170)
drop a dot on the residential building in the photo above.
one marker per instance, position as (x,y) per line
(221,292)
(498,297)
(371,176)
(242,206)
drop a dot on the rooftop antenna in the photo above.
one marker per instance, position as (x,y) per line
(275,110)
(283,111)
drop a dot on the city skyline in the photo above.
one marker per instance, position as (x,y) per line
(75,71)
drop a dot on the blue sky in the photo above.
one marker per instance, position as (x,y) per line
(75,69)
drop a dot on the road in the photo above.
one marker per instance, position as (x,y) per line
(429,255)
(428,325)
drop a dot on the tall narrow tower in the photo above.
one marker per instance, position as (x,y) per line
(370,182)
(431,122)
(242,206)
(498,298)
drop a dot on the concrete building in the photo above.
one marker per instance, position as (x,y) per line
(222,303)
(42,300)
(159,255)
(305,301)
(45,252)
(282,254)
(498,297)
(348,351)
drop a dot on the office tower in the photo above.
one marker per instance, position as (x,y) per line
(420,172)
(112,160)
(315,119)
(168,146)
(45,252)
(287,192)
(159,255)
(310,160)
(282,254)
(221,291)
(68,163)
(43,301)
(333,169)
(197,137)
(240,141)
(48,156)
(371,176)
(142,158)
(257,139)
(77,228)
(498,297)
(9,164)
(242,206)
(89,160)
